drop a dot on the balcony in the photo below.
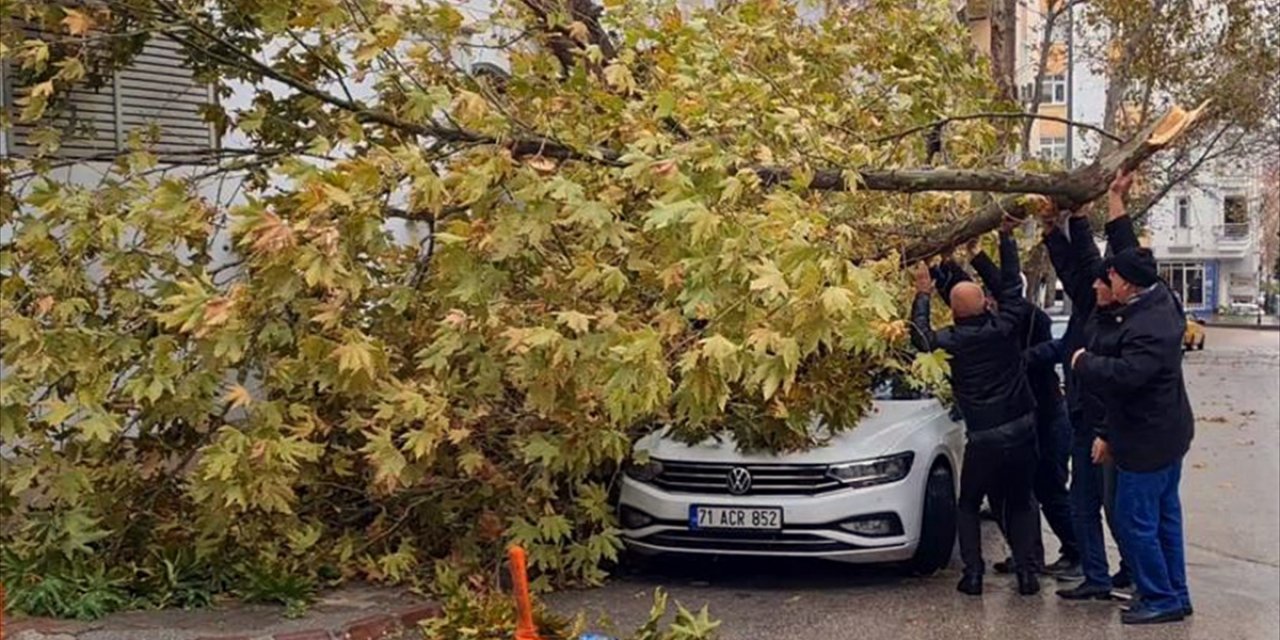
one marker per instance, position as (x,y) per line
(1233,239)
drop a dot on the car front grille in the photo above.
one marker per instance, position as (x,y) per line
(710,478)
(763,541)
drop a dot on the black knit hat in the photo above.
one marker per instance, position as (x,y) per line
(1104,271)
(1136,265)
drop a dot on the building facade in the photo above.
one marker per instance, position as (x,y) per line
(1207,239)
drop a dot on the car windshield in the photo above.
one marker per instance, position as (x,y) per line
(893,385)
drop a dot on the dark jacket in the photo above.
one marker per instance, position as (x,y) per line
(1077,262)
(1137,368)
(1035,330)
(987,373)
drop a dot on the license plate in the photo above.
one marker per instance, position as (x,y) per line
(703,517)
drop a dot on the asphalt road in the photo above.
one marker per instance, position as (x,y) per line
(1232,512)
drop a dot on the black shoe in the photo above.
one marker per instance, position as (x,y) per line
(1028,583)
(970,584)
(1121,580)
(1065,569)
(1085,591)
(1147,616)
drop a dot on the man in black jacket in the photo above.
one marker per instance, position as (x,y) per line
(1137,367)
(1053,432)
(1079,266)
(990,386)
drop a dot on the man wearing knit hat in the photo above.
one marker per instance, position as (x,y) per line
(1137,366)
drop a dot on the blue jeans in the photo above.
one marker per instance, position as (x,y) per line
(1086,511)
(1053,435)
(1149,515)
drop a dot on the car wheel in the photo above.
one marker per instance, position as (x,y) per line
(938,529)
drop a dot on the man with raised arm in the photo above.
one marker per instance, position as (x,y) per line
(990,386)
(1079,266)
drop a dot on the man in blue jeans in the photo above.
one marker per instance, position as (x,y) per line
(1136,364)
(1079,266)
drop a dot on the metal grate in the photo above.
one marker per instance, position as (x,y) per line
(766,479)
(748,541)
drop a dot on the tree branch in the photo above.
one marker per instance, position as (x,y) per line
(996,115)
(1089,183)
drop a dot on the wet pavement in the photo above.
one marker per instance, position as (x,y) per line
(1232,512)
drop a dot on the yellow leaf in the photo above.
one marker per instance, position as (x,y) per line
(541,164)
(273,234)
(580,323)
(578,31)
(42,90)
(354,357)
(43,305)
(76,22)
(238,396)
(619,77)
(837,301)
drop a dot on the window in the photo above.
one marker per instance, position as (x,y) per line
(1235,210)
(1053,89)
(1053,149)
(1187,281)
(1184,212)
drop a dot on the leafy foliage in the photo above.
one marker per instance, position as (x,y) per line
(254,378)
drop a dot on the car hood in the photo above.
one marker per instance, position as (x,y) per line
(877,434)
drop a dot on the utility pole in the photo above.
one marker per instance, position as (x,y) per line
(1071,85)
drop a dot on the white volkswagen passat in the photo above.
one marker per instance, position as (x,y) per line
(883,491)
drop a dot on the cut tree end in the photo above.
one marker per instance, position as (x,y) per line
(1174,123)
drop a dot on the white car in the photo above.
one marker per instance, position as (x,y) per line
(883,491)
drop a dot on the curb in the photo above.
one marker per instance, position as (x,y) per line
(379,627)
(1251,327)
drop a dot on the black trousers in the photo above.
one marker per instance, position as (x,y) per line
(1005,475)
(1053,433)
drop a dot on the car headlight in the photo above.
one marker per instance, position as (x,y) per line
(646,471)
(865,473)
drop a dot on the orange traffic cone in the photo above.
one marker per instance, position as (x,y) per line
(525,629)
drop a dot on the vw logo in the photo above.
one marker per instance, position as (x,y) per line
(739,481)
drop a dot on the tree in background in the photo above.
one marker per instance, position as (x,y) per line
(648,217)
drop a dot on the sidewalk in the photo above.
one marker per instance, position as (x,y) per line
(357,612)
(1268,322)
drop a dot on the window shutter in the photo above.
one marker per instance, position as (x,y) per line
(155,89)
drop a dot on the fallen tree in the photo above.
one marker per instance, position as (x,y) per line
(699,225)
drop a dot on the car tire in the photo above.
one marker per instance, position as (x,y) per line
(938,525)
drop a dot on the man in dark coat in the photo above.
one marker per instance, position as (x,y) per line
(1086,283)
(990,386)
(1053,431)
(1137,367)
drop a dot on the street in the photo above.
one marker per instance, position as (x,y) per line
(1232,513)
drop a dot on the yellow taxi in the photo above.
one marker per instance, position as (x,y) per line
(1193,337)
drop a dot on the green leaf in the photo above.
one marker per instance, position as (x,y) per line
(99,427)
